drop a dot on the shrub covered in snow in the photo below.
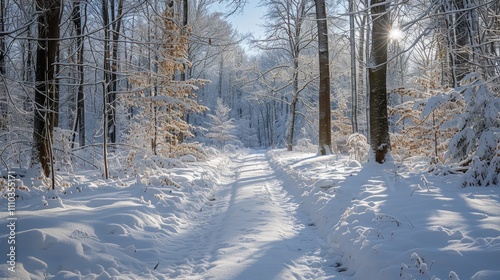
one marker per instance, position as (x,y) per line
(304,145)
(221,128)
(477,142)
(358,147)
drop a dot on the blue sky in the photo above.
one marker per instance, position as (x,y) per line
(248,21)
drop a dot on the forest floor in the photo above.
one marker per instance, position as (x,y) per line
(253,214)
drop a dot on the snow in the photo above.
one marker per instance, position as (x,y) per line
(255,214)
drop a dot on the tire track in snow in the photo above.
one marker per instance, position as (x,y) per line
(253,231)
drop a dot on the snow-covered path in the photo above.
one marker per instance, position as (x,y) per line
(252,230)
(260,215)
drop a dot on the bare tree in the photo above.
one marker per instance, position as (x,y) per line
(458,37)
(362,55)
(46,88)
(2,38)
(78,20)
(112,20)
(325,129)
(287,34)
(116,23)
(354,90)
(3,100)
(379,124)
(185,22)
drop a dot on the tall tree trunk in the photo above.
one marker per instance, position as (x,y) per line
(79,126)
(491,46)
(4,108)
(366,73)
(273,120)
(325,130)
(104,132)
(361,84)
(185,17)
(221,72)
(354,93)
(459,40)
(295,99)
(291,123)
(379,124)
(295,49)
(116,22)
(442,50)
(105,87)
(46,89)
(28,59)
(2,38)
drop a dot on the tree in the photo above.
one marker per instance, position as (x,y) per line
(325,132)
(112,22)
(288,35)
(221,127)
(46,87)
(185,21)
(159,101)
(79,126)
(459,38)
(3,102)
(379,124)
(354,93)
(2,38)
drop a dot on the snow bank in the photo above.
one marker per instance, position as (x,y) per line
(387,222)
(90,228)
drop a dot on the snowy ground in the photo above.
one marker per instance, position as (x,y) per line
(392,221)
(257,215)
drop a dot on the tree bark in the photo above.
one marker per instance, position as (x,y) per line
(46,89)
(185,17)
(105,87)
(295,98)
(113,83)
(361,85)
(459,37)
(325,131)
(295,49)
(2,38)
(291,124)
(354,90)
(80,101)
(379,124)
(366,72)
(4,108)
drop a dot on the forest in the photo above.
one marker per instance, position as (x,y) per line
(86,80)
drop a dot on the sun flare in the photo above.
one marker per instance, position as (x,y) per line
(395,34)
